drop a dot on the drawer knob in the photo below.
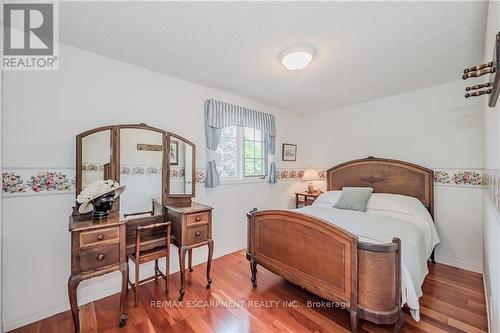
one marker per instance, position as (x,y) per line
(101,257)
(197,234)
(100,237)
(198,218)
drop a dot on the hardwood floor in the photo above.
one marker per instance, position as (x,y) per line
(453,301)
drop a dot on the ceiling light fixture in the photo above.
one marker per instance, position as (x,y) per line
(297,57)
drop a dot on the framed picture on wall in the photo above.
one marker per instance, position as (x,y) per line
(289,152)
(174,148)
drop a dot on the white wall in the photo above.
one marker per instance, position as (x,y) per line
(492,163)
(434,127)
(45,110)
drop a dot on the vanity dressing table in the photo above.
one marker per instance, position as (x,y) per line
(158,170)
(96,249)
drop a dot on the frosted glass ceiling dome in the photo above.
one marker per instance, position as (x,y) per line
(297,57)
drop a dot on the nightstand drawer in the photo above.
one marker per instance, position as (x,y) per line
(100,256)
(102,236)
(197,218)
(196,234)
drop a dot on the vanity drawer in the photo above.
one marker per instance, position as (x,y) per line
(100,256)
(197,218)
(101,236)
(196,234)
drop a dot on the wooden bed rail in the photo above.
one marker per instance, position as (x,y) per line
(329,262)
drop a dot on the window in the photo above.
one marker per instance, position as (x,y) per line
(254,153)
(227,153)
(241,153)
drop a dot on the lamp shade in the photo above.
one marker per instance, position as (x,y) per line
(311,174)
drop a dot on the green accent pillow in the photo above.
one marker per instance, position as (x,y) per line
(354,198)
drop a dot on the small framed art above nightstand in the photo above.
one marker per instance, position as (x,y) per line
(289,152)
(303,199)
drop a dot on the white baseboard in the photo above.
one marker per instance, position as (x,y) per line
(487,294)
(459,264)
(109,287)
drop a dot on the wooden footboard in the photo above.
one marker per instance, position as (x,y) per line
(327,261)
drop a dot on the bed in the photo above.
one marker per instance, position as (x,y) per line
(372,263)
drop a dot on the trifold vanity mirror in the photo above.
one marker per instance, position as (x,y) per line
(156,208)
(94,156)
(150,162)
(180,169)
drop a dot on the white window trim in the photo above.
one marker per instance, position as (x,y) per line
(241,178)
(264,160)
(246,180)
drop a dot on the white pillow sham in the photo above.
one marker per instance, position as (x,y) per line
(399,204)
(327,199)
(380,201)
(395,205)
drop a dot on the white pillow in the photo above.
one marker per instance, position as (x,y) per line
(380,201)
(327,199)
(398,203)
(408,209)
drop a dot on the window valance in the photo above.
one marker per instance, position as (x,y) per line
(221,114)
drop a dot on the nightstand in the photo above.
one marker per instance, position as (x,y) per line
(305,198)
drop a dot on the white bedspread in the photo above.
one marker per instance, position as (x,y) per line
(417,234)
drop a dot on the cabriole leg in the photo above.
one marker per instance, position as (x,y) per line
(73,282)
(209,262)
(253,268)
(182,264)
(190,260)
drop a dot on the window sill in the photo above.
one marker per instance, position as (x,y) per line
(250,180)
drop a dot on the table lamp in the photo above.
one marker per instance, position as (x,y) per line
(311,175)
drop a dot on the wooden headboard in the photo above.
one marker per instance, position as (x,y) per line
(385,176)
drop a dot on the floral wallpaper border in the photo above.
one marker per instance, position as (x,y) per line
(92,167)
(16,181)
(296,174)
(42,181)
(135,170)
(463,177)
(140,170)
(471,177)
(492,184)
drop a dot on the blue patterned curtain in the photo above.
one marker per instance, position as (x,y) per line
(220,114)
(212,138)
(270,142)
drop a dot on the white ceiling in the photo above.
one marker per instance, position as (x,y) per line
(364,51)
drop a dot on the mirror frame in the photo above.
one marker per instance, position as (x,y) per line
(115,158)
(181,198)
(165,160)
(79,140)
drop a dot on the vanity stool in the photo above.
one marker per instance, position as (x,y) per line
(191,228)
(143,256)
